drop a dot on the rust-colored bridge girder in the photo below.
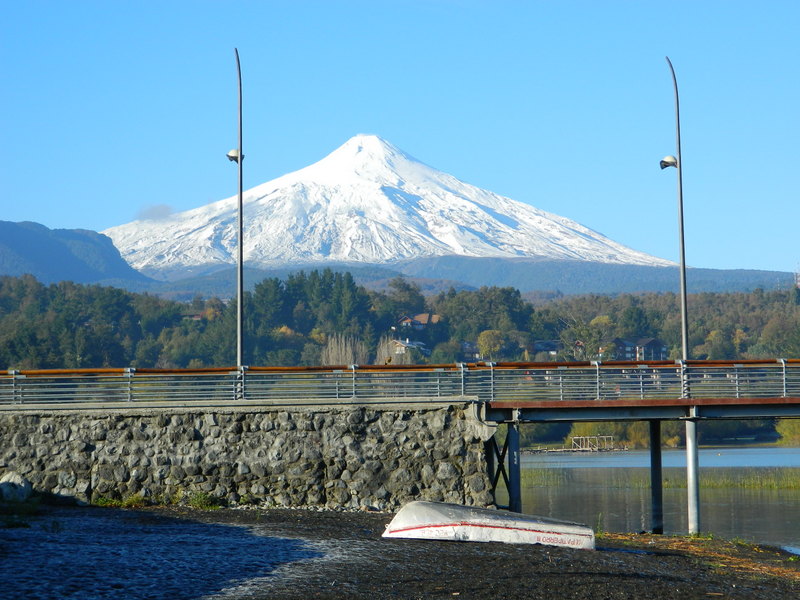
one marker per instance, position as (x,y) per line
(642,409)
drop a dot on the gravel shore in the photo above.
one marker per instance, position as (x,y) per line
(174,552)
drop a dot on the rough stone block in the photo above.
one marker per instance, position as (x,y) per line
(14,487)
(391,456)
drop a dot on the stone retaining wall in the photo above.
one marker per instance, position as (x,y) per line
(326,457)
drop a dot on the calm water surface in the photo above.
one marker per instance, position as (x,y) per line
(604,490)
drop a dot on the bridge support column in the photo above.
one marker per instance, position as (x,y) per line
(514,470)
(692,480)
(656,488)
(490,450)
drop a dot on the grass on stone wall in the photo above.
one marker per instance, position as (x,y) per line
(196,500)
(135,501)
(203,501)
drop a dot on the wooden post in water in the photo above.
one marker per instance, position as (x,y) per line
(656,488)
(514,470)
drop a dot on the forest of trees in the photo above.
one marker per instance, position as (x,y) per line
(324,317)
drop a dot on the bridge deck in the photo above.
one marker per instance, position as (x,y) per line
(642,409)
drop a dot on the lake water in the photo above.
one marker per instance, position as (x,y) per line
(609,491)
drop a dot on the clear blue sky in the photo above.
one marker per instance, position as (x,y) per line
(109,108)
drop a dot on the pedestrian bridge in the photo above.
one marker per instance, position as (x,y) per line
(519,392)
(509,393)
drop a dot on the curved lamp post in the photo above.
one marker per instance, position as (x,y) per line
(692,466)
(237,156)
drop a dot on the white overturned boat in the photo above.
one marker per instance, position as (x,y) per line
(441,521)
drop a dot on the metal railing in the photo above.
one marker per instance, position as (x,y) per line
(482,381)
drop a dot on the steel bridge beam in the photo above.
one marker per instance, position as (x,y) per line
(644,410)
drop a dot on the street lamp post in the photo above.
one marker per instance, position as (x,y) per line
(237,156)
(692,466)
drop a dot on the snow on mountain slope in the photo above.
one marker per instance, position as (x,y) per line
(367,202)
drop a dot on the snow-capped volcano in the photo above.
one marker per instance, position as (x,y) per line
(366,202)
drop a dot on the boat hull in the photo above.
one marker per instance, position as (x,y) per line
(454,522)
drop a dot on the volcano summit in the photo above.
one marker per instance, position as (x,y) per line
(366,202)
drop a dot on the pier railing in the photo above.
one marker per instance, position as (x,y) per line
(481,381)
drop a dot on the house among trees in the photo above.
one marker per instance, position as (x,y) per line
(469,351)
(406,346)
(551,347)
(419,322)
(640,349)
(651,349)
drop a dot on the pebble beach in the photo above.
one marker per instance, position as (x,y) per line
(257,553)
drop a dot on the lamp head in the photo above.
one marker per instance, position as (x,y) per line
(233,155)
(669,161)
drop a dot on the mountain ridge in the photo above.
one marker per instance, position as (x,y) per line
(53,255)
(437,274)
(52,260)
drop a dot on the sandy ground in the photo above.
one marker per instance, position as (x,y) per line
(172,552)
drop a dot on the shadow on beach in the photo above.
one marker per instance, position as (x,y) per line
(92,553)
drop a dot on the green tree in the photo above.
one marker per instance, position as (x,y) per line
(587,341)
(446,353)
(634,323)
(718,346)
(405,297)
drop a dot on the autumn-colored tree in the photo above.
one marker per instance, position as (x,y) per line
(490,342)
